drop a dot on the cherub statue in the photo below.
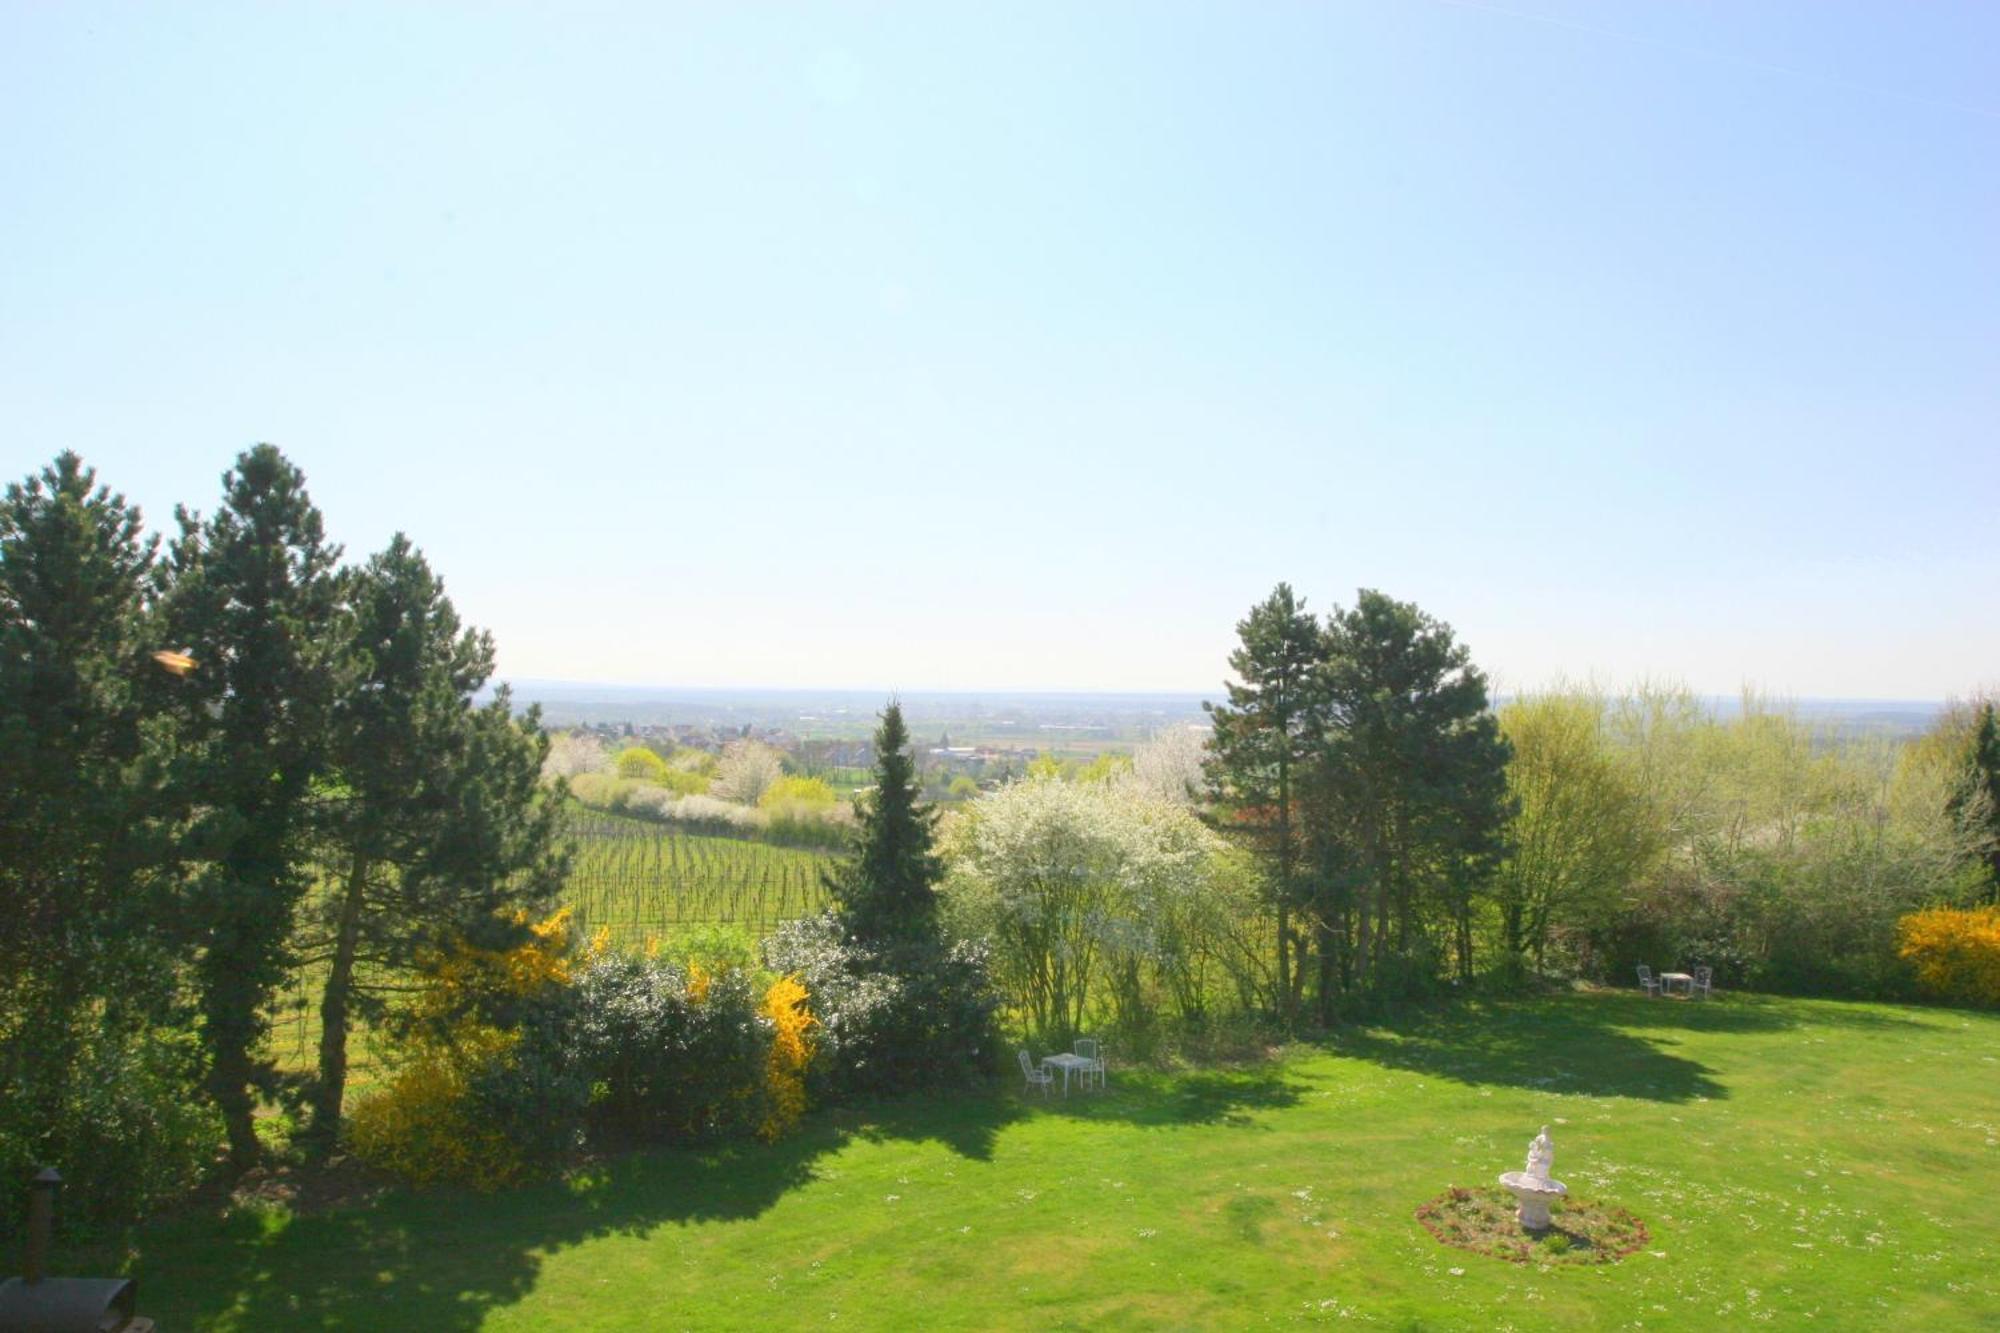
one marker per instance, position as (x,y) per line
(1541,1155)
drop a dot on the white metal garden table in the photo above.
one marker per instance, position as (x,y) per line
(1066,1062)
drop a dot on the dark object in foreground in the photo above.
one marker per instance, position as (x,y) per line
(36,1303)
(71,1305)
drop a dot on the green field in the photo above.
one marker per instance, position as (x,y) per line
(1800,1164)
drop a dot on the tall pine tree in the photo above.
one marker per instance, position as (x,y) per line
(1982,778)
(887,892)
(1413,767)
(252,591)
(439,819)
(81,807)
(1263,737)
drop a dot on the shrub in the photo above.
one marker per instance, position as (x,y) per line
(698,762)
(702,814)
(685,782)
(113,1113)
(602,791)
(426,1125)
(804,812)
(746,769)
(928,1020)
(471,1103)
(670,1052)
(830,828)
(515,1056)
(803,793)
(790,1055)
(1956,953)
(641,764)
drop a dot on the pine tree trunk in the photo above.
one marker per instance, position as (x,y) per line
(1324,930)
(229,1085)
(1364,941)
(1287,1004)
(331,1088)
(229,1017)
(1284,957)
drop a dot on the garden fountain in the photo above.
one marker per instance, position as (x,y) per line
(1532,1186)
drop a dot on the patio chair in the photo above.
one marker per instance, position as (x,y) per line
(1649,981)
(1094,1071)
(1703,975)
(1035,1074)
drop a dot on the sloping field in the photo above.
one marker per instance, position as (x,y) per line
(643,880)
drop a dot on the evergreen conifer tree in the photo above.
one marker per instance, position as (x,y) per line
(80,801)
(1263,737)
(1983,776)
(887,892)
(252,591)
(1412,767)
(440,819)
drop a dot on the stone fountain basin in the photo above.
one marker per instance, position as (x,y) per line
(1535,1194)
(1523,1183)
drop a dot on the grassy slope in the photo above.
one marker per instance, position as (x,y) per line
(1798,1163)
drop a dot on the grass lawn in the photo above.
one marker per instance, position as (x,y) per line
(1798,1163)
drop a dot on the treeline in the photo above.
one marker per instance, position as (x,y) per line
(230,760)
(1782,855)
(1412,838)
(223,758)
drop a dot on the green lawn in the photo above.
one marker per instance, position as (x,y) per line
(1799,1164)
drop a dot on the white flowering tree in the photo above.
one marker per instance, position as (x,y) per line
(1169,766)
(573,753)
(746,769)
(1077,884)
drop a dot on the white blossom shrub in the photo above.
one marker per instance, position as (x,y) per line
(746,769)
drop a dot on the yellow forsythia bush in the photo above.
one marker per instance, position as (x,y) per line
(791,1051)
(423,1126)
(1956,952)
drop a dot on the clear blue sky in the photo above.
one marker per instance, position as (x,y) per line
(1026,346)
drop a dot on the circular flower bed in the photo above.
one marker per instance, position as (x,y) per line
(1482,1220)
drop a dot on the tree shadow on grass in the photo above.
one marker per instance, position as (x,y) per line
(1743,1012)
(1153,1100)
(445,1260)
(1601,1043)
(442,1260)
(1572,1046)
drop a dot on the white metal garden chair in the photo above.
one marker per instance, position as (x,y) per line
(1649,981)
(1703,975)
(1035,1074)
(1087,1048)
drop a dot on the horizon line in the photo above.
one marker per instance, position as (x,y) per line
(519,682)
